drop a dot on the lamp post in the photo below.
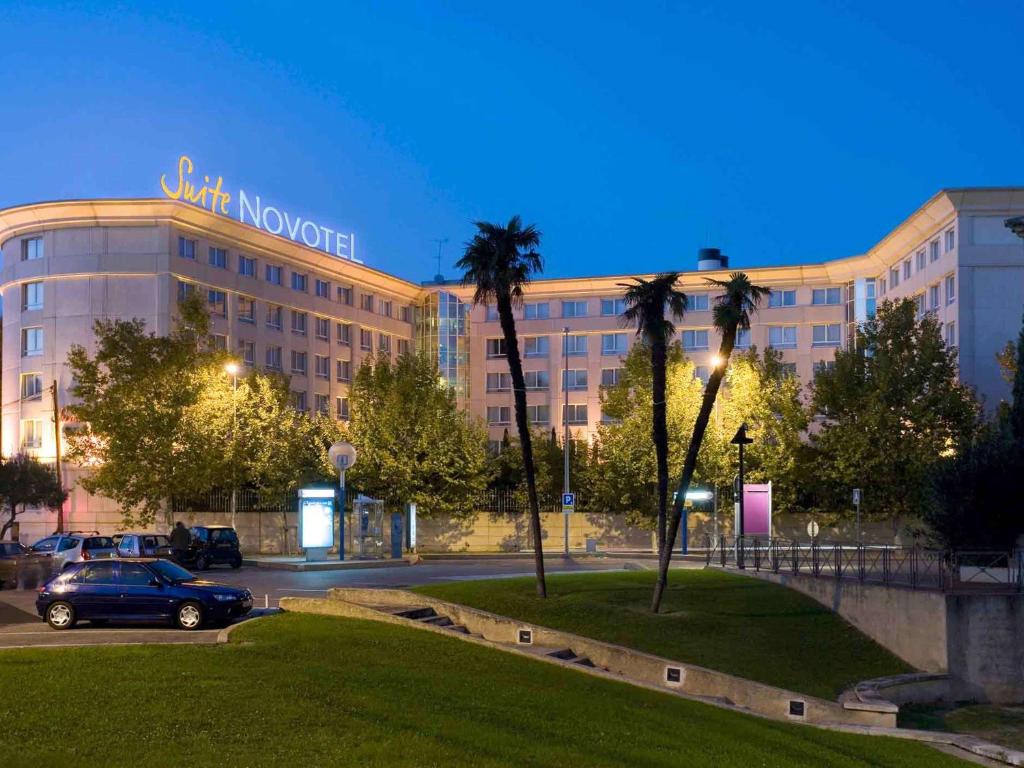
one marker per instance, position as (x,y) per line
(231,369)
(740,439)
(565,419)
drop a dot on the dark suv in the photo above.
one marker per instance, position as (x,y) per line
(213,545)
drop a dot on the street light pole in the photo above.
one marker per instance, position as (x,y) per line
(232,369)
(565,418)
(741,440)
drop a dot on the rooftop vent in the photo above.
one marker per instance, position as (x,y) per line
(711,258)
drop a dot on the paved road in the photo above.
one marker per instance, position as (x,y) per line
(20,627)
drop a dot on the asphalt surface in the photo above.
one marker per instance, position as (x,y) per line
(20,626)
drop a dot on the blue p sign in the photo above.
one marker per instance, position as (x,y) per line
(568,502)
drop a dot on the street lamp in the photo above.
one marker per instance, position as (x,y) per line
(1016,225)
(565,434)
(232,369)
(740,439)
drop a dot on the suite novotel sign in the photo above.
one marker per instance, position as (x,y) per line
(251,210)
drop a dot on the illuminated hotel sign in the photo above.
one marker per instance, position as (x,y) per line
(251,210)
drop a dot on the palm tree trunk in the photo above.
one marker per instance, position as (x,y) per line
(690,465)
(515,368)
(659,433)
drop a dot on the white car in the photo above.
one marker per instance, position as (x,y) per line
(68,548)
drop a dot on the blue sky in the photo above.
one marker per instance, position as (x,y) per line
(631,134)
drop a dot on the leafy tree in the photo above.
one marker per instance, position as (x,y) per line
(414,443)
(647,302)
(892,408)
(1017,406)
(24,482)
(498,262)
(740,298)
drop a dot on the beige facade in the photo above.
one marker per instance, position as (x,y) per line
(278,303)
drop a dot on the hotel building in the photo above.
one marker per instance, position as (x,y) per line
(281,305)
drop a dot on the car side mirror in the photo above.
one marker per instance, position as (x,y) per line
(155,583)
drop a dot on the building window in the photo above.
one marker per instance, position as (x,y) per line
(32,295)
(950,289)
(537,310)
(894,277)
(574,414)
(933,297)
(536,346)
(246,310)
(574,309)
(950,240)
(496,348)
(247,349)
(300,282)
(920,260)
(31,433)
(933,250)
(698,302)
(403,347)
(218,302)
(344,333)
(343,371)
(538,414)
(366,302)
(273,358)
(906,269)
(246,266)
(499,382)
(950,334)
(274,274)
(384,343)
(323,329)
(322,366)
(219,342)
(299,320)
(31,342)
(499,414)
(703,373)
(612,307)
(695,340)
(537,379)
(825,335)
(491,313)
(342,408)
(742,338)
(32,249)
(826,295)
(299,401)
(322,403)
(298,362)
(365,340)
(322,288)
(186,248)
(218,257)
(613,343)
(345,294)
(574,379)
(274,314)
(185,290)
(919,305)
(783,298)
(575,345)
(610,376)
(782,336)
(31,386)
(821,366)
(405,313)
(788,370)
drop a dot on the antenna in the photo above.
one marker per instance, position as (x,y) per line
(440,244)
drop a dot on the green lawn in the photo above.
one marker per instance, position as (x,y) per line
(734,624)
(315,691)
(1002,725)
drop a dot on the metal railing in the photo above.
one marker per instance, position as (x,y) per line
(911,567)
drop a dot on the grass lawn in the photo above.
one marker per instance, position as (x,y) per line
(313,691)
(1002,725)
(733,624)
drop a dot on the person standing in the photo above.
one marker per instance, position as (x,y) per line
(180,540)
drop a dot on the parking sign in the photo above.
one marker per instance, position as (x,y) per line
(568,502)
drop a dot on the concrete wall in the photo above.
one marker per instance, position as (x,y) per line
(986,644)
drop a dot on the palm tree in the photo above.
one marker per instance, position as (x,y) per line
(498,261)
(647,302)
(733,308)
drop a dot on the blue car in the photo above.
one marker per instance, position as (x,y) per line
(138,590)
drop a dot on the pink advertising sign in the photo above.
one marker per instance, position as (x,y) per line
(757,509)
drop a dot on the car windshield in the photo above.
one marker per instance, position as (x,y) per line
(170,571)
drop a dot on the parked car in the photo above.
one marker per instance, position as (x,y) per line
(143,545)
(68,548)
(138,590)
(20,566)
(213,545)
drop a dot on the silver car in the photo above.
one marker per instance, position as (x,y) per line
(144,545)
(68,548)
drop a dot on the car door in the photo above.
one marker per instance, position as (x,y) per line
(93,591)
(224,541)
(141,595)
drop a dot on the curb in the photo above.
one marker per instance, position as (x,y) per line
(224,636)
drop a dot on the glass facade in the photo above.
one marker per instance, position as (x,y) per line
(442,331)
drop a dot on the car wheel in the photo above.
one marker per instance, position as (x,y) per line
(189,616)
(60,615)
(236,561)
(202,563)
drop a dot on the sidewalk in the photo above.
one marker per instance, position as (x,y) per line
(299,563)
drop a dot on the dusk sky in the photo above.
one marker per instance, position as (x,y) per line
(630,133)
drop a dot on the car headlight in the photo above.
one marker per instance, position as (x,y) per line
(223,597)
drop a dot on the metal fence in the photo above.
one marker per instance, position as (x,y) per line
(911,567)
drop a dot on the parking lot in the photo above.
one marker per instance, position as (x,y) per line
(21,627)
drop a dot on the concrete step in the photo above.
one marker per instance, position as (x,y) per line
(415,613)
(459,628)
(437,621)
